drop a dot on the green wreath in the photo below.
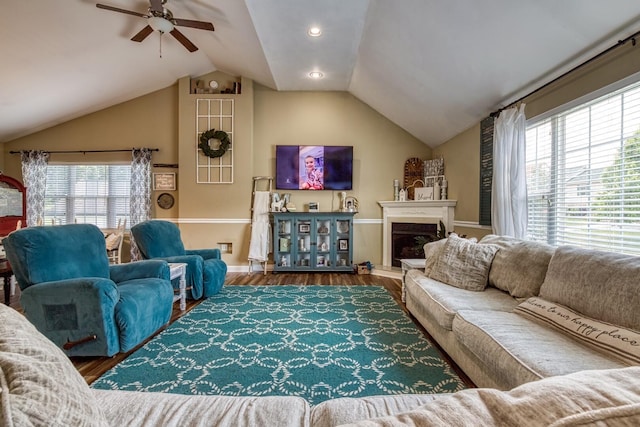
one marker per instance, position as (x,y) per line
(221,136)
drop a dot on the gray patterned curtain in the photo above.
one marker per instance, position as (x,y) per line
(34,175)
(140,201)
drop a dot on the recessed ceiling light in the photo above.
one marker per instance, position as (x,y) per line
(314,31)
(316,75)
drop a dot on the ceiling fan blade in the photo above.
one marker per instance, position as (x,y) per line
(194,24)
(156,5)
(182,39)
(142,34)
(116,9)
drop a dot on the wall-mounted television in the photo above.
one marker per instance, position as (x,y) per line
(314,167)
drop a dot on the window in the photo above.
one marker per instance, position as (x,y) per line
(93,194)
(583,174)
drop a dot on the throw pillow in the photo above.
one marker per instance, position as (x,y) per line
(616,341)
(520,266)
(38,384)
(464,264)
(432,252)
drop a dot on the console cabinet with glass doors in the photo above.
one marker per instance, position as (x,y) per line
(313,242)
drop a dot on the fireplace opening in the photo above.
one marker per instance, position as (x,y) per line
(405,240)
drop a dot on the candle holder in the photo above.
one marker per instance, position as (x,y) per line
(443,188)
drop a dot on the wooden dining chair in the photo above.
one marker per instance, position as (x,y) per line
(114,243)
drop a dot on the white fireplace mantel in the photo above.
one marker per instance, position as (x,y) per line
(423,211)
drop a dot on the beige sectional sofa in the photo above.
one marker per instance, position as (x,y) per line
(493,344)
(544,312)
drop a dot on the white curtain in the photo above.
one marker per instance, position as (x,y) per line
(34,176)
(140,197)
(509,188)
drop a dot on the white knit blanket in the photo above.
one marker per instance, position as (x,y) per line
(260,228)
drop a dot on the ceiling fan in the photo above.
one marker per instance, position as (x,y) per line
(161,19)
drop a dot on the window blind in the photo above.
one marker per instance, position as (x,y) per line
(93,194)
(583,174)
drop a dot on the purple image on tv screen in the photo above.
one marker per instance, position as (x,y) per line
(311,167)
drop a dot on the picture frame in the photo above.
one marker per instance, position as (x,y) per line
(304,228)
(343,244)
(164,181)
(313,207)
(284,244)
(343,227)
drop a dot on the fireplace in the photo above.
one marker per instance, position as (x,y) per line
(421,212)
(408,238)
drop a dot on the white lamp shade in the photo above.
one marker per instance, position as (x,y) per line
(160,24)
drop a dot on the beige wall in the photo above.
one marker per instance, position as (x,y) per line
(380,149)
(213,213)
(461,153)
(210,214)
(148,121)
(462,169)
(334,118)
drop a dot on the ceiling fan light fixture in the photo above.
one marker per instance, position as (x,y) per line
(160,24)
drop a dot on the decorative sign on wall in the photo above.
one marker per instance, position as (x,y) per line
(164,181)
(214,127)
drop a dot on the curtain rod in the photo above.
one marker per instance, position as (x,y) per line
(631,38)
(84,151)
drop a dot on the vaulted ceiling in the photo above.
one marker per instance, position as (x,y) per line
(433,67)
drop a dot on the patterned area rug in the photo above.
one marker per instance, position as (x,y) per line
(317,342)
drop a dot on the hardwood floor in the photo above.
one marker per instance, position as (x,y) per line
(93,367)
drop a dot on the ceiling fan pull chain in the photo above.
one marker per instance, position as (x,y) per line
(161,34)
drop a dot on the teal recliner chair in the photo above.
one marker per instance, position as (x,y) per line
(81,303)
(206,270)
